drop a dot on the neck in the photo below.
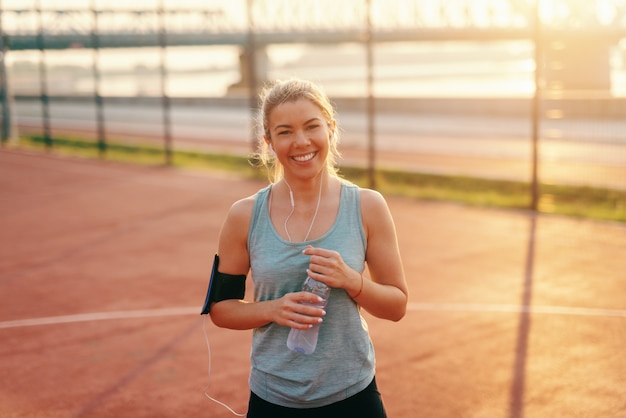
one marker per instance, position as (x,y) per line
(293,208)
(306,190)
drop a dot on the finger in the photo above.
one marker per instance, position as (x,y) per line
(320,259)
(321,273)
(326,279)
(306,298)
(330,260)
(298,325)
(314,317)
(313,251)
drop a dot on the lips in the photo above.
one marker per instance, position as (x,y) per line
(304,157)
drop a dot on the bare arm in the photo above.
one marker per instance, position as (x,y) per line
(385,294)
(235,259)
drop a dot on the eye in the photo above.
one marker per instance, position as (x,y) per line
(312,127)
(283,133)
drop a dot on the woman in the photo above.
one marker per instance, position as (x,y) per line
(309,221)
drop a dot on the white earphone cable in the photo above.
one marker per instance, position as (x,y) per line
(293,207)
(206,338)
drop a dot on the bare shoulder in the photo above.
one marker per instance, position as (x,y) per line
(375,212)
(372,202)
(242,208)
(232,245)
(239,214)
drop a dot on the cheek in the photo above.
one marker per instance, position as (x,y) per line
(280,150)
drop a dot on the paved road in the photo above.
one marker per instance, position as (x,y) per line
(588,152)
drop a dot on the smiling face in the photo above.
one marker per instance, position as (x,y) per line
(289,93)
(299,134)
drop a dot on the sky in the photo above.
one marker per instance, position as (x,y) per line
(555,12)
(551,10)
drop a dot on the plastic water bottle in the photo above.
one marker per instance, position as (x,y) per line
(305,341)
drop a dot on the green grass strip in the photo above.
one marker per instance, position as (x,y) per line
(576,201)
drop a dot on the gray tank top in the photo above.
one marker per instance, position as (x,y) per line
(343,363)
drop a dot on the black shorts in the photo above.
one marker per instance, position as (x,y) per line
(365,404)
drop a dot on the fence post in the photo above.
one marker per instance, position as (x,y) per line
(4,98)
(102,145)
(165,99)
(43,80)
(371,111)
(252,71)
(536,108)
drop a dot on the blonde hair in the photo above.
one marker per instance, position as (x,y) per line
(280,92)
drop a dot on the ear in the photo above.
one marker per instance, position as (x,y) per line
(268,142)
(332,125)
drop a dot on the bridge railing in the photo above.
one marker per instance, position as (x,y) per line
(287,16)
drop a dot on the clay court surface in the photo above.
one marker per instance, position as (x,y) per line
(103,270)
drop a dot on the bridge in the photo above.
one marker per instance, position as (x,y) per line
(591,27)
(320,21)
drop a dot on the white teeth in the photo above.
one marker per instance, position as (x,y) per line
(306,157)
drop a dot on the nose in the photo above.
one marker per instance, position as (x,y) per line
(302,138)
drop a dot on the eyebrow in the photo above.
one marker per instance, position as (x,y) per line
(315,119)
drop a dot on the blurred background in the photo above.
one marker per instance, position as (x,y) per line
(529,90)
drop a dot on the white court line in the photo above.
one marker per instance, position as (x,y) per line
(99,316)
(533,309)
(437,307)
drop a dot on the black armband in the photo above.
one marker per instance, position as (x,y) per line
(223,286)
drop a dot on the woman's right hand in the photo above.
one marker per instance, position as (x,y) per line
(297,310)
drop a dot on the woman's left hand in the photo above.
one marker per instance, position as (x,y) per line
(328,266)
